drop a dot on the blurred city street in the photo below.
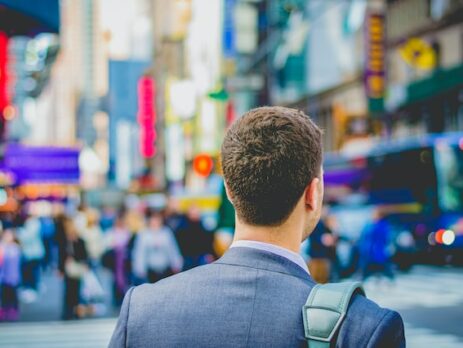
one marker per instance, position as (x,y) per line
(112,120)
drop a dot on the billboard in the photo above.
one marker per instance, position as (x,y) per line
(30,164)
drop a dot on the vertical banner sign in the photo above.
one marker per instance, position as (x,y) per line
(147,116)
(229,29)
(375,62)
(3,72)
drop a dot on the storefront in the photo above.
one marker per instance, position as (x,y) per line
(38,177)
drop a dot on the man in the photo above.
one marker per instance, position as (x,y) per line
(253,296)
(194,241)
(322,251)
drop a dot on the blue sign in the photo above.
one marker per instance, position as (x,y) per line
(229,49)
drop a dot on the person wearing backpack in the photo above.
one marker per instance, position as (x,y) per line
(260,292)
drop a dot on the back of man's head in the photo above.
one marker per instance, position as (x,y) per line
(269,157)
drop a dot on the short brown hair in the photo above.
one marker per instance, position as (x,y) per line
(269,156)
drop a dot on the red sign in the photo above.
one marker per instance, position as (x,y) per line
(4,100)
(203,164)
(147,116)
(230,113)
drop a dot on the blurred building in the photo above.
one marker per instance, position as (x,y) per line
(128,29)
(36,107)
(362,69)
(29,49)
(191,97)
(147,88)
(83,76)
(425,66)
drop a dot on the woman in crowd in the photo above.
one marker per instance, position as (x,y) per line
(92,235)
(73,263)
(156,253)
(33,252)
(116,257)
(10,275)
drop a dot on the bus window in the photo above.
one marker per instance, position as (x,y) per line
(404,177)
(449,166)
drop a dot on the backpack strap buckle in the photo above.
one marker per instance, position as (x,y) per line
(325,310)
(324,323)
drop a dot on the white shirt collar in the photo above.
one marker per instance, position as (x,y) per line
(274,249)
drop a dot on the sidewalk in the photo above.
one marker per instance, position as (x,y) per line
(47,306)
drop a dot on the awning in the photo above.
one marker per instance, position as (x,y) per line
(29,17)
(440,82)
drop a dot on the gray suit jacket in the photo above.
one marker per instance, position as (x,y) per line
(248,298)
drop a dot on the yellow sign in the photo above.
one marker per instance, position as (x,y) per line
(418,53)
(376,56)
(204,203)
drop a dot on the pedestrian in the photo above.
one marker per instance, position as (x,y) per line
(33,252)
(195,242)
(59,220)
(47,232)
(90,232)
(174,217)
(107,218)
(254,295)
(135,222)
(73,264)
(116,257)
(156,253)
(10,276)
(321,251)
(375,248)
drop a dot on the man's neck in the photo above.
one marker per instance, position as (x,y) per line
(288,235)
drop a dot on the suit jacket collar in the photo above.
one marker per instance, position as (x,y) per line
(260,259)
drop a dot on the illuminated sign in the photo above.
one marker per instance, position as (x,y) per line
(3,72)
(41,164)
(418,53)
(229,29)
(376,56)
(146,116)
(203,164)
(230,113)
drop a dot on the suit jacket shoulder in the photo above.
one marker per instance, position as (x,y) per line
(369,325)
(248,298)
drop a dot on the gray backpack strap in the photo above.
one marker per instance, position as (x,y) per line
(325,310)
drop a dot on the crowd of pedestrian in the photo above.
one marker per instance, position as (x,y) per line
(140,245)
(369,255)
(135,245)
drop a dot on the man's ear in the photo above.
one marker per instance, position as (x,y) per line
(311,195)
(227,192)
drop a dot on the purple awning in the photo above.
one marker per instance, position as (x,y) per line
(348,176)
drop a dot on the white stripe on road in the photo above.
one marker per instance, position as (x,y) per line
(419,338)
(86,333)
(420,288)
